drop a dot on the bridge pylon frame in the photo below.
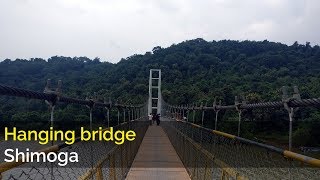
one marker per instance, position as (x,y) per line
(152,88)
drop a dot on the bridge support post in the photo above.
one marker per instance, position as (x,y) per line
(202,117)
(51,105)
(216,120)
(216,110)
(91,106)
(177,112)
(138,113)
(173,112)
(238,104)
(183,114)
(108,112)
(108,117)
(188,113)
(134,114)
(118,116)
(286,101)
(128,115)
(124,115)
(239,124)
(194,114)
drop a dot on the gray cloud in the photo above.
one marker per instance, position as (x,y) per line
(112,29)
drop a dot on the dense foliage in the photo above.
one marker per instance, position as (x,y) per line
(193,71)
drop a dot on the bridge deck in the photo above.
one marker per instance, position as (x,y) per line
(156,158)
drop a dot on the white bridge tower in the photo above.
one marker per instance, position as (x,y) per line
(155,99)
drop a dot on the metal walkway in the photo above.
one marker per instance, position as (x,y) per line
(156,158)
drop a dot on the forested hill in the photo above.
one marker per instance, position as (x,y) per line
(193,71)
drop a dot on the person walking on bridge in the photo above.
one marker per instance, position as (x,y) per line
(150,119)
(154,117)
(158,119)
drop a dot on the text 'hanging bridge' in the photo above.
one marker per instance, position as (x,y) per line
(180,148)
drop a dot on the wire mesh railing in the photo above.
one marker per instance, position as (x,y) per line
(290,103)
(116,163)
(97,160)
(210,154)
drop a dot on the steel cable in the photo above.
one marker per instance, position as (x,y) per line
(314,102)
(18,92)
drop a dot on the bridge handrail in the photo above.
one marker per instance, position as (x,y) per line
(227,168)
(97,166)
(109,156)
(51,97)
(289,154)
(315,102)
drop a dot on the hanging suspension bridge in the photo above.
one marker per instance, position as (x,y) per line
(180,148)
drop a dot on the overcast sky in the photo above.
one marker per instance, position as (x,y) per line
(115,29)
